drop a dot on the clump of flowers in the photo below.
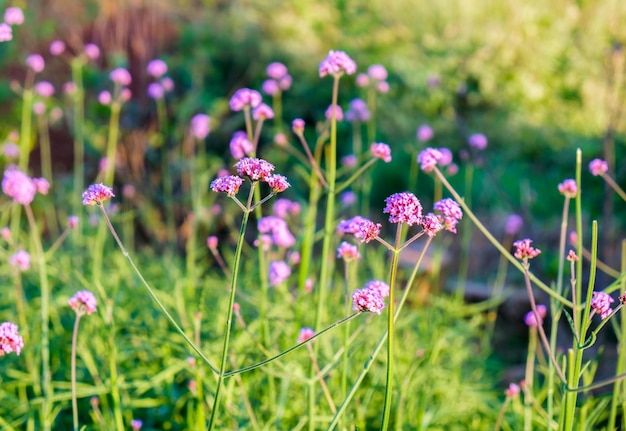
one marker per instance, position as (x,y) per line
(253,168)
(531,320)
(229,184)
(18,186)
(524,250)
(336,64)
(429,158)
(245,98)
(477,141)
(601,304)
(370,297)
(278,80)
(96,194)
(348,252)
(451,213)
(568,188)
(598,167)
(83,302)
(10,339)
(358,111)
(305,334)
(21,260)
(381,151)
(200,126)
(425,133)
(279,272)
(403,208)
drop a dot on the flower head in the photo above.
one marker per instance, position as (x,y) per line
(336,110)
(530,319)
(57,47)
(21,260)
(6,33)
(337,63)
(524,250)
(305,334)
(451,213)
(381,151)
(262,112)
(428,158)
(121,76)
(363,229)
(10,339)
(200,126)
(229,184)
(513,224)
(362,80)
(368,299)
(72,221)
(96,194)
(278,183)
(279,272)
(245,97)
(571,256)
(136,424)
(44,89)
(35,62)
(276,70)
(358,111)
(432,224)
(18,186)
(601,304)
(379,286)
(598,167)
(512,391)
(270,87)
(155,90)
(13,16)
(42,185)
(83,302)
(377,72)
(348,252)
(156,68)
(297,126)
(255,169)
(403,208)
(104,97)
(240,145)
(425,133)
(568,188)
(477,141)
(92,51)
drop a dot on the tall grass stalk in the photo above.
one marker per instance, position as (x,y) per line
(78,125)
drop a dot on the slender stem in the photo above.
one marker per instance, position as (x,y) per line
(114,127)
(115,389)
(611,182)
(73,373)
(529,375)
(27,115)
(320,378)
(78,99)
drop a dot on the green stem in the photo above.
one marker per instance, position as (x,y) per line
(73,373)
(114,128)
(26,125)
(115,389)
(78,99)
(528,377)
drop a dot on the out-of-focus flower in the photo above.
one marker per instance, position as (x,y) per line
(6,33)
(72,221)
(598,167)
(347,198)
(156,68)
(403,208)
(83,302)
(279,272)
(382,87)
(200,126)
(337,63)
(363,229)
(358,111)
(92,51)
(18,186)
(276,70)
(167,83)
(571,256)
(96,194)
(446,156)
(381,151)
(104,97)
(337,111)
(524,250)
(42,185)
(280,139)
(428,158)
(568,188)
(349,160)
(368,299)
(136,424)
(121,76)
(270,87)
(212,241)
(239,145)
(14,16)
(44,89)
(245,97)
(57,47)
(512,391)
(477,141)
(156,90)
(378,286)
(377,72)
(35,62)
(5,233)
(297,126)
(125,94)
(11,150)
(263,112)
(425,133)
(362,80)
(10,339)
(229,184)
(601,304)
(21,260)
(305,334)
(513,224)
(347,251)
(530,319)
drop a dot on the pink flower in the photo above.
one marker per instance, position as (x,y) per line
(513,224)
(378,286)
(282,208)
(13,16)
(279,272)
(83,302)
(568,188)
(428,158)
(297,126)
(92,51)
(167,84)
(255,169)
(525,250)
(601,304)
(446,156)
(367,231)
(212,241)
(200,126)
(337,63)
(262,112)
(280,139)
(403,208)
(121,76)
(425,133)
(377,72)
(571,256)
(382,87)
(35,62)
(348,252)
(156,68)
(57,47)
(432,224)
(337,111)
(357,111)
(10,339)
(125,94)
(278,183)
(104,97)
(278,230)
(39,108)
(5,233)
(305,334)
(512,391)
(529,318)
(6,33)
(72,221)
(245,97)
(96,194)
(276,70)
(155,90)
(347,198)
(18,186)
(229,184)
(136,424)
(270,87)
(598,167)
(478,141)
(11,150)
(285,82)
(21,260)
(381,151)
(362,80)
(451,212)
(240,146)
(42,185)
(368,299)
(349,160)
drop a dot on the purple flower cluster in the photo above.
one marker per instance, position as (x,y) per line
(348,252)
(229,184)
(96,194)
(336,64)
(425,133)
(245,98)
(451,213)
(529,318)
(253,168)
(477,141)
(524,250)
(263,112)
(363,229)
(279,79)
(21,260)
(376,77)
(598,167)
(403,208)
(358,111)
(10,339)
(283,208)
(279,272)
(240,145)
(429,158)
(83,302)
(431,223)
(370,297)
(200,126)
(381,151)
(601,304)
(277,231)
(568,188)
(18,186)
(305,334)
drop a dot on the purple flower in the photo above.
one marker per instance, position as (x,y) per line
(513,224)
(337,111)
(425,133)
(297,126)
(601,304)
(478,141)
(347,251)
(57,47)
(262,112)
(524,250)
(270,87)
(21,260)
(451,213)
(279,272)
(363,229)
(357,111)
(278,230)
(200,126)
(529,318)
(278,183)
(403,208)
(379,286)
(568,188)
(347,198)
(351,225)
(18,186)
(136,424)
(10,339)
(44,89)
(83,302)
(42,185)
(245,97)
(35,62)
(276,70)
(282,208)
(6,33)
(285,82)
(429,158)
(337,63)
(156,68)
(229,184)
(167,84)
(446,156)
(512,391)
(362,80)
(382,87)
(239,145)
(381,151)
(598,167)
(92,51)
(13,16)
(96,194)
(72,221)
(255,169)
(121,76)
(104,97)
(349,160)
(432,224)
(368,299)
(305,334)
(377,72)
(156,90)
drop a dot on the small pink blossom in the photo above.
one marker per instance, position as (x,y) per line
(368,299)
(378,286)
(125,94)
(280,139)
(285,82)
(338,112)
(42,185)
(200,126)
(39,108)
(239,145)
(245,98)
(598,167)
(432,224)
(11,150)
(69,88)
(212,241)
(156,68)
(530,319)
(278,183)
(601,304)
(348,252)
(229,184)
(362,80)
(136,424)
(429,158)
(57,47)
(425,133)
(155,90)
(255,169)
(121,76)
(270,87)
(403,208)
(571,256)
(104,98)
(349,160)
(10,339)
(377,72)
(96,194)
(451,213)
(18,186)
(358,111)
(381,151)
(512,391)
(524,250)
(35,62)
(6,33)
(363,229)
(513,224)
(21,260)
(167,83)
(337,63)
(276,70)
(83,302)
(92,51)
(568,188)
(262,112)
(72,221)
(279,272)
(477,141)
(5,233)
(297,126)
(347,198)
(305,334)
(382,87)
(14,16)
(446,156)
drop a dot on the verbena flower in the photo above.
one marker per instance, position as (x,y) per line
(245,97)
(477,141)
(6,33)
(44,89)
(338,112)
(83,302)
(297,126)
(363,229)
(200,126)
(432,224)
(35,62)
(446,156)
(155,90)
(255,169)
(10,339)
(351,225)
(347,198)
(72,221)
(348,252)
(167,83)
(276,70)
(368,299)
(279,272)
(263,112)
(120,76)
(362,80)
(337,63)
(381,151)
(377,72)
(529,318)
(598,167)
(278,231)
(240,145)
(382,87)
(42,185)
(282,207)
(428,158)
(601,304)
(278,183)
(136,424)
(524,250)
(57,47)
(571,256)
(512,391)
(21,260)
(14,16)
(403,208)
(229,184)
(451,213)
(568,188)
(92,51)
(425,133)
(513,224)
(358,111)
(270,87)
(379,286)
(96,194)
(156,68)
(18,186)
(349,160)
(212,241)
(305,334)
